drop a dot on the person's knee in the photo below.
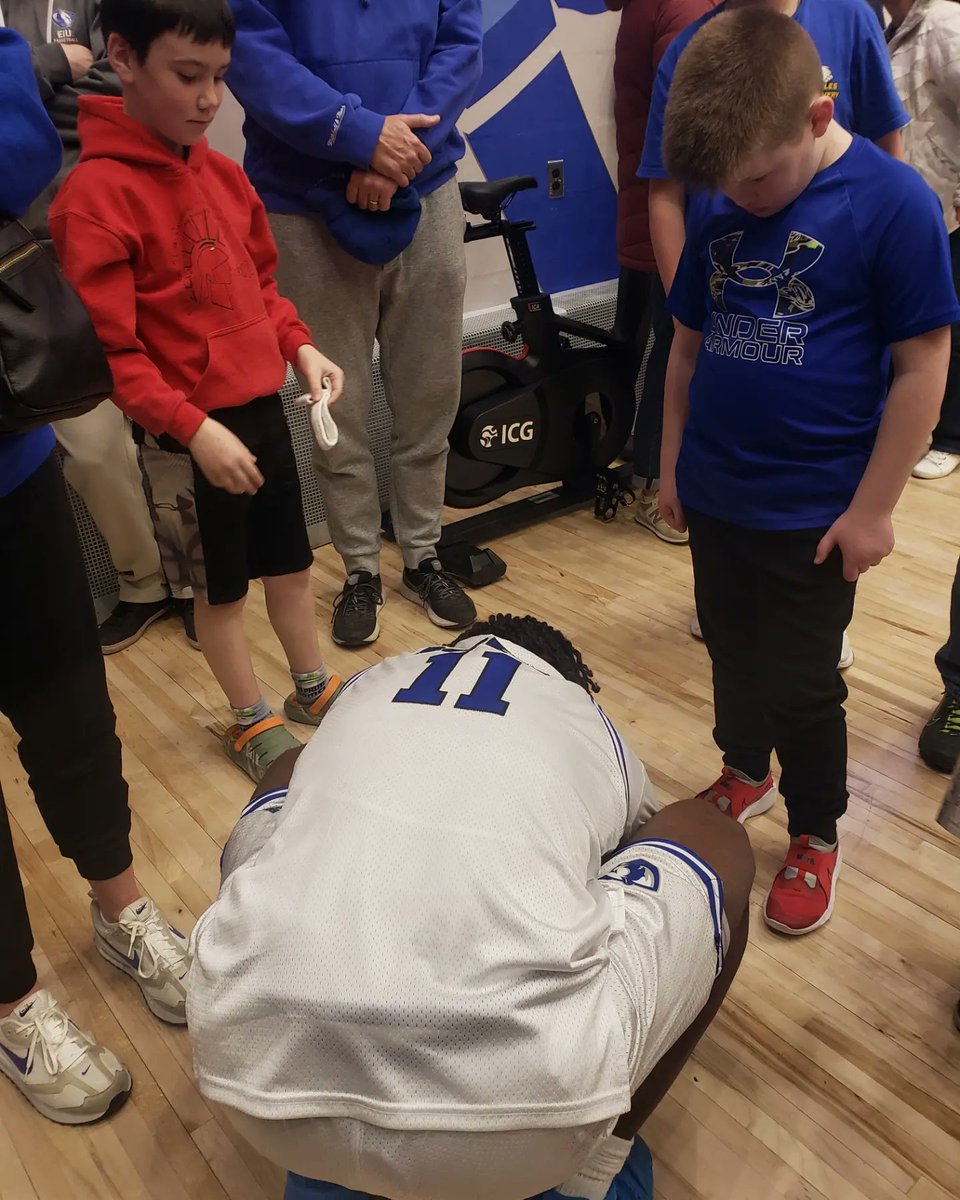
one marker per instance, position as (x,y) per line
(283,586)
(218,614)
(721,842)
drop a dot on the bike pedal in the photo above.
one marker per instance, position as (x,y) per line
(470,565)
(611,494)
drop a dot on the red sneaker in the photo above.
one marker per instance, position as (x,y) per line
(801,898)
(733,795)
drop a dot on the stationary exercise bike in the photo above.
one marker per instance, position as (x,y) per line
(557,413)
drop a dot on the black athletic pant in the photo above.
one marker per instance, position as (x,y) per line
(946,436)
(642,318)
(948,657)
(773,623)
(53,690)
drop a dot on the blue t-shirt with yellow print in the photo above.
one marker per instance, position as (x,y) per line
(798,311)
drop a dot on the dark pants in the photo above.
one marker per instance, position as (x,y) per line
(948,658)
(773,623)
(642,319)
(54,692)
(946,436)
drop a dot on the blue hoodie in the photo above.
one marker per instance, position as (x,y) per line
(317,81)
(30,154)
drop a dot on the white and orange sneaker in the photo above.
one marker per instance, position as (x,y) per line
(740,797)
(802,895)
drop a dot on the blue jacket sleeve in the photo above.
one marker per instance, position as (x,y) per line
(877,109)
(452,71)
(30,150)
(288,100)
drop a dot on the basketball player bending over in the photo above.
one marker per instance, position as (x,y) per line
(459,952)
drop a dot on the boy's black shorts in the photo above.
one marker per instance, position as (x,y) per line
(214,542)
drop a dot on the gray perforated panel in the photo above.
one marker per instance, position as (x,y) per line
(595,304)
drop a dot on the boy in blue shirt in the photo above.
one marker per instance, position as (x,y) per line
(820,262)
(856,76)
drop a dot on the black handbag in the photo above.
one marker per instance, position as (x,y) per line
(52,365)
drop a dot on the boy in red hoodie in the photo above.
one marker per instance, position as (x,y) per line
(169,247)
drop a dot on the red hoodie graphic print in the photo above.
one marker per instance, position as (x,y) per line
(174,259)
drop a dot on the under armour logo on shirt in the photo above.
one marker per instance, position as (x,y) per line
(794,297)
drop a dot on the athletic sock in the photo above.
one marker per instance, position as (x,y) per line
(254,714)
(749,780)
(823,846)
(310,685)
(593,1180)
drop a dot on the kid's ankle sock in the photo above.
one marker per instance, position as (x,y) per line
(751,780)
(823,845)
(310,685)
(254,714)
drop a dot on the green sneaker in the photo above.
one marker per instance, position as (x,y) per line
(314,713)
(255,749)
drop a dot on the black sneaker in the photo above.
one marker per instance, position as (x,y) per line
(185,611)
(129,622)
(446,602)
(355,610)
(940,740)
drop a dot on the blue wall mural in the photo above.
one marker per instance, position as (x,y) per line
(575,240)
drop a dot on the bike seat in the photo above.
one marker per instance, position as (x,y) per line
(485,199)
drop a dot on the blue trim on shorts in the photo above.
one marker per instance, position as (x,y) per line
(712,883)
(258,803)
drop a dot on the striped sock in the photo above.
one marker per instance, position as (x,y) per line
(310,685)
(254,714)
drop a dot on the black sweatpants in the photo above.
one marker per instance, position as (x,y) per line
(773,623)
(642,319)
(51,657)
(946,436)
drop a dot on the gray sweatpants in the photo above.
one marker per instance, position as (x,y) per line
(414,307)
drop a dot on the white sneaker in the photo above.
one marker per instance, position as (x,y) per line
(150,951)
(936,464)
(64,1074)
(648,515)
(847,657)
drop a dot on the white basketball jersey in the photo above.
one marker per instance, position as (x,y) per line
(421,943)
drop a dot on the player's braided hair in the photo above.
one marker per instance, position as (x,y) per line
(540,639)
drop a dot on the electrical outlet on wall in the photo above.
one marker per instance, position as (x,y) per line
(555,179)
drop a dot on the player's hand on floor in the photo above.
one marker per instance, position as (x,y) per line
(224,459)
(864,540)
(315,368)
(670,507)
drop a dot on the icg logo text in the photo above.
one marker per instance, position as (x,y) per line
(518,431)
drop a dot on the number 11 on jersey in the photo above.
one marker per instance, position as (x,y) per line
(488,692)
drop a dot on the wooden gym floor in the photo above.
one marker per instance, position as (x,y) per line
(833,1069)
